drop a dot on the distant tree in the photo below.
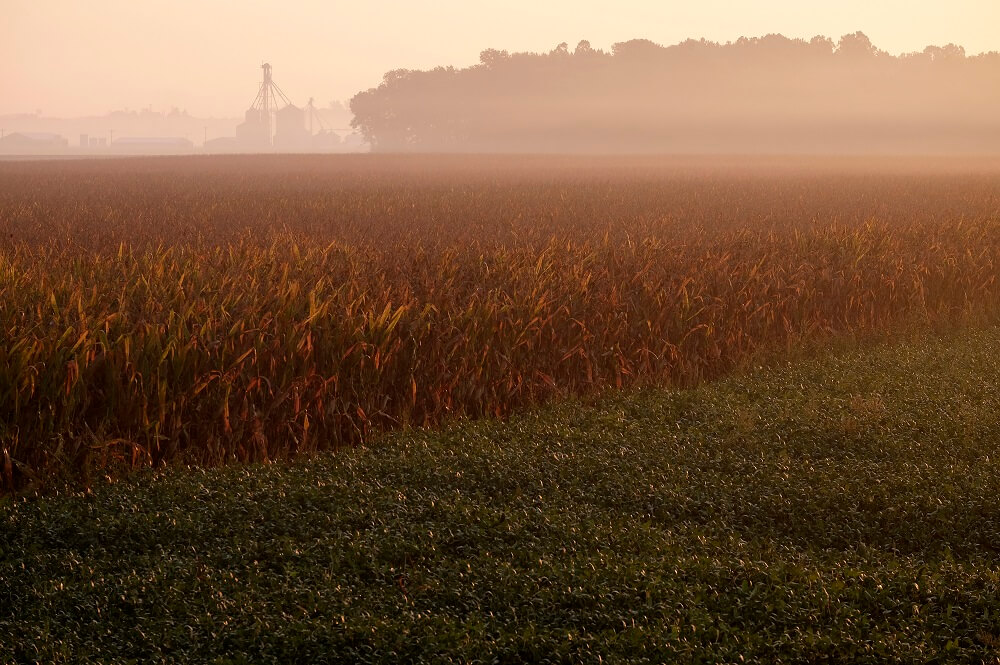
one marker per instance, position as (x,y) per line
(492,56)
(948,53)
(822,45)
(768,92)
(637,49)
(856,45)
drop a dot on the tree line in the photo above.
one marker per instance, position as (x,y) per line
(771,93)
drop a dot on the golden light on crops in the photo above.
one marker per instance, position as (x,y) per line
(208,310)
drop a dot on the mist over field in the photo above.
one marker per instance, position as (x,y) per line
(386,332)
(757,95)
(619,408)
(259,308)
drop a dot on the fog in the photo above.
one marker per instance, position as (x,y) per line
(770,94)
(669,77)
(203,56)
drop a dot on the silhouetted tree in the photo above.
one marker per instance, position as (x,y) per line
(767,93)
(492,56)
(856,46)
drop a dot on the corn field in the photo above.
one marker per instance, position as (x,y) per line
(204,310)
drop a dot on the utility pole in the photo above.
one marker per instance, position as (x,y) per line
(206,138)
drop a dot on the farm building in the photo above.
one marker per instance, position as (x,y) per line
(291,133)
(32,142)
(255,131)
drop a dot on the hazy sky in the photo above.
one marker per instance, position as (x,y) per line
(74,57)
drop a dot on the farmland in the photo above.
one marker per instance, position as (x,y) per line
(840,508)
(208,310)
(570,410)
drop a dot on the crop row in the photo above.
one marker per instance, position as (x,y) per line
(216,327)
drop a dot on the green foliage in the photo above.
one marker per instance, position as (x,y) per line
(833,509)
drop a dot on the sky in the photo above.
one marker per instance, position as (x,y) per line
(79,57)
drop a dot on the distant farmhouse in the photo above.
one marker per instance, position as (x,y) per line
(32,142)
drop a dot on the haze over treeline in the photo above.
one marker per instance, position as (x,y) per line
(769,94)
